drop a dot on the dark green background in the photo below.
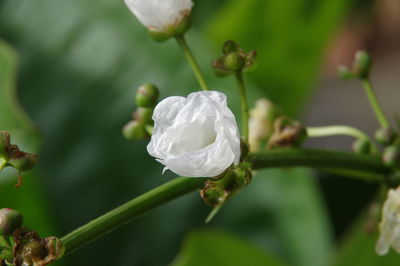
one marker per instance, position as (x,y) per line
(77,64)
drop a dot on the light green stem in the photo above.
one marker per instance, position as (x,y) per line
(192,61)
(343,161)
(336,130)
(373,100)
(244,106)
(315,132)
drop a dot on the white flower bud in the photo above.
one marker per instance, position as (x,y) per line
(260,123)
(390,224)
(195,136)
(162,16)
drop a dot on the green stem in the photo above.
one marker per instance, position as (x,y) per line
(336,130)
(192,61)
(373,100)
(315,132)
(130,210)
(338,160)
(244,105)
(180,186)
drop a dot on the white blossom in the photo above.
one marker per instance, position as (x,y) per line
(390,224)
(195,136)
(160,15)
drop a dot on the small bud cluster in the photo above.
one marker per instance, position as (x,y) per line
(360,69)
(140,126)
(390,140)
(11,155)
(234,60)
(217,191)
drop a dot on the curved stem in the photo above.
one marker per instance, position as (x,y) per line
(192,61)
(373,100)
(130,210)
(244,105)
(125,213)
(336,130)
(316,132)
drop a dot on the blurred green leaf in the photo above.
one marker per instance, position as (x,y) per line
(289,36)
(210,247)
(28,199)
(358,248)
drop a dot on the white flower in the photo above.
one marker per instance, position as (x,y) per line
(390,224)
(160,15)
(195,136)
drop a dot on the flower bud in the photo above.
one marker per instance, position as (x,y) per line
(214,195)
(33,252)
(362,64)
(243,176)
(147,95)
(362,146)
(234,62)
(143,115)
(10,220)
(4,143)
(385,136)
(163,18)
(391,156)
(134,130)
(23,161)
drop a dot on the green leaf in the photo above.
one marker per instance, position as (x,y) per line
(358,247)
(289,37)
(210,247)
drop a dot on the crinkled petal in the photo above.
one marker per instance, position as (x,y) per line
(195,136)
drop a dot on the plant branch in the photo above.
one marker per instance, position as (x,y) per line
(371,166)
(130,210)
(339,160)
(192,61)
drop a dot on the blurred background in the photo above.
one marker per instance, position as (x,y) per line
(74,67)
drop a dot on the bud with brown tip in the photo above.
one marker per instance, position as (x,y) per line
(10,220)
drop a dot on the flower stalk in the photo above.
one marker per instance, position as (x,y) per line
(373,100)
(180,39)
(244,105)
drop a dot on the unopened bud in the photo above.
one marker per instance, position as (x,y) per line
(214,195)
(23,161)
(391,156)
(147,95)
(362,64)
(385,136)
(243,176)
(10,220)
(362,146)
(143,114)
(134,130)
